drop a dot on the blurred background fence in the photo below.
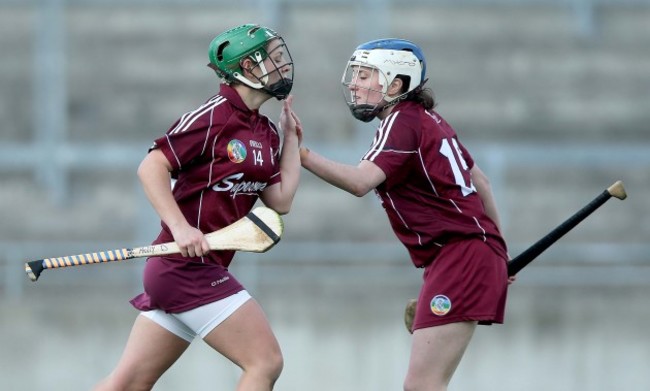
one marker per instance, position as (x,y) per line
(552,97)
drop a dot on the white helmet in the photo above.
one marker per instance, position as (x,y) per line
(389,58)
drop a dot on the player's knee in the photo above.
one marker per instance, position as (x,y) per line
(268,366)
(275,364)
(409,385)
(413,384)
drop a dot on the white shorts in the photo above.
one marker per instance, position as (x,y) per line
(201,320)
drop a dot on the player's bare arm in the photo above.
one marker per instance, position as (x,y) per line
(279,197)
(357,180)
(484,189)
(154,174)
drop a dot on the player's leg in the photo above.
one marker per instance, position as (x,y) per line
(246,338)
(435,355)
(150,350)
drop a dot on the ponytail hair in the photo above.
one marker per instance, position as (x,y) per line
(421,95)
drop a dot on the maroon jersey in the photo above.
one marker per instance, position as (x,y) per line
(223,155)
(428,194)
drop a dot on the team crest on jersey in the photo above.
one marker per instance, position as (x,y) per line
(440,305)
(236,151)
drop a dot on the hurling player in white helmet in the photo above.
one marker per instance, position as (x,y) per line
(224,156)
(438,201)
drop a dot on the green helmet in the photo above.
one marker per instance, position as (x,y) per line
(228,49)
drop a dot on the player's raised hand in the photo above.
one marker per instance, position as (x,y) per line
(298,127)
(289,121)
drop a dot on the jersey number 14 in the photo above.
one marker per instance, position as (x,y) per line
(257,157)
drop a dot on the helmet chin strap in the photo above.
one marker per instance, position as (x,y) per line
(257,57)
(280,89)
(367,113)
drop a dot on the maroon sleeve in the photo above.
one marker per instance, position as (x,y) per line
(396,143)
(182,145)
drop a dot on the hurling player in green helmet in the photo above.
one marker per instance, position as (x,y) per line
(224,156)
(254,56)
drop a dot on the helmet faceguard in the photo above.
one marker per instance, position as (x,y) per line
(364,89)
(267,51)
(379,63)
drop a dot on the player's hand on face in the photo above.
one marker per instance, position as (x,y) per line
(191,241)
(289,121)
(298,127)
